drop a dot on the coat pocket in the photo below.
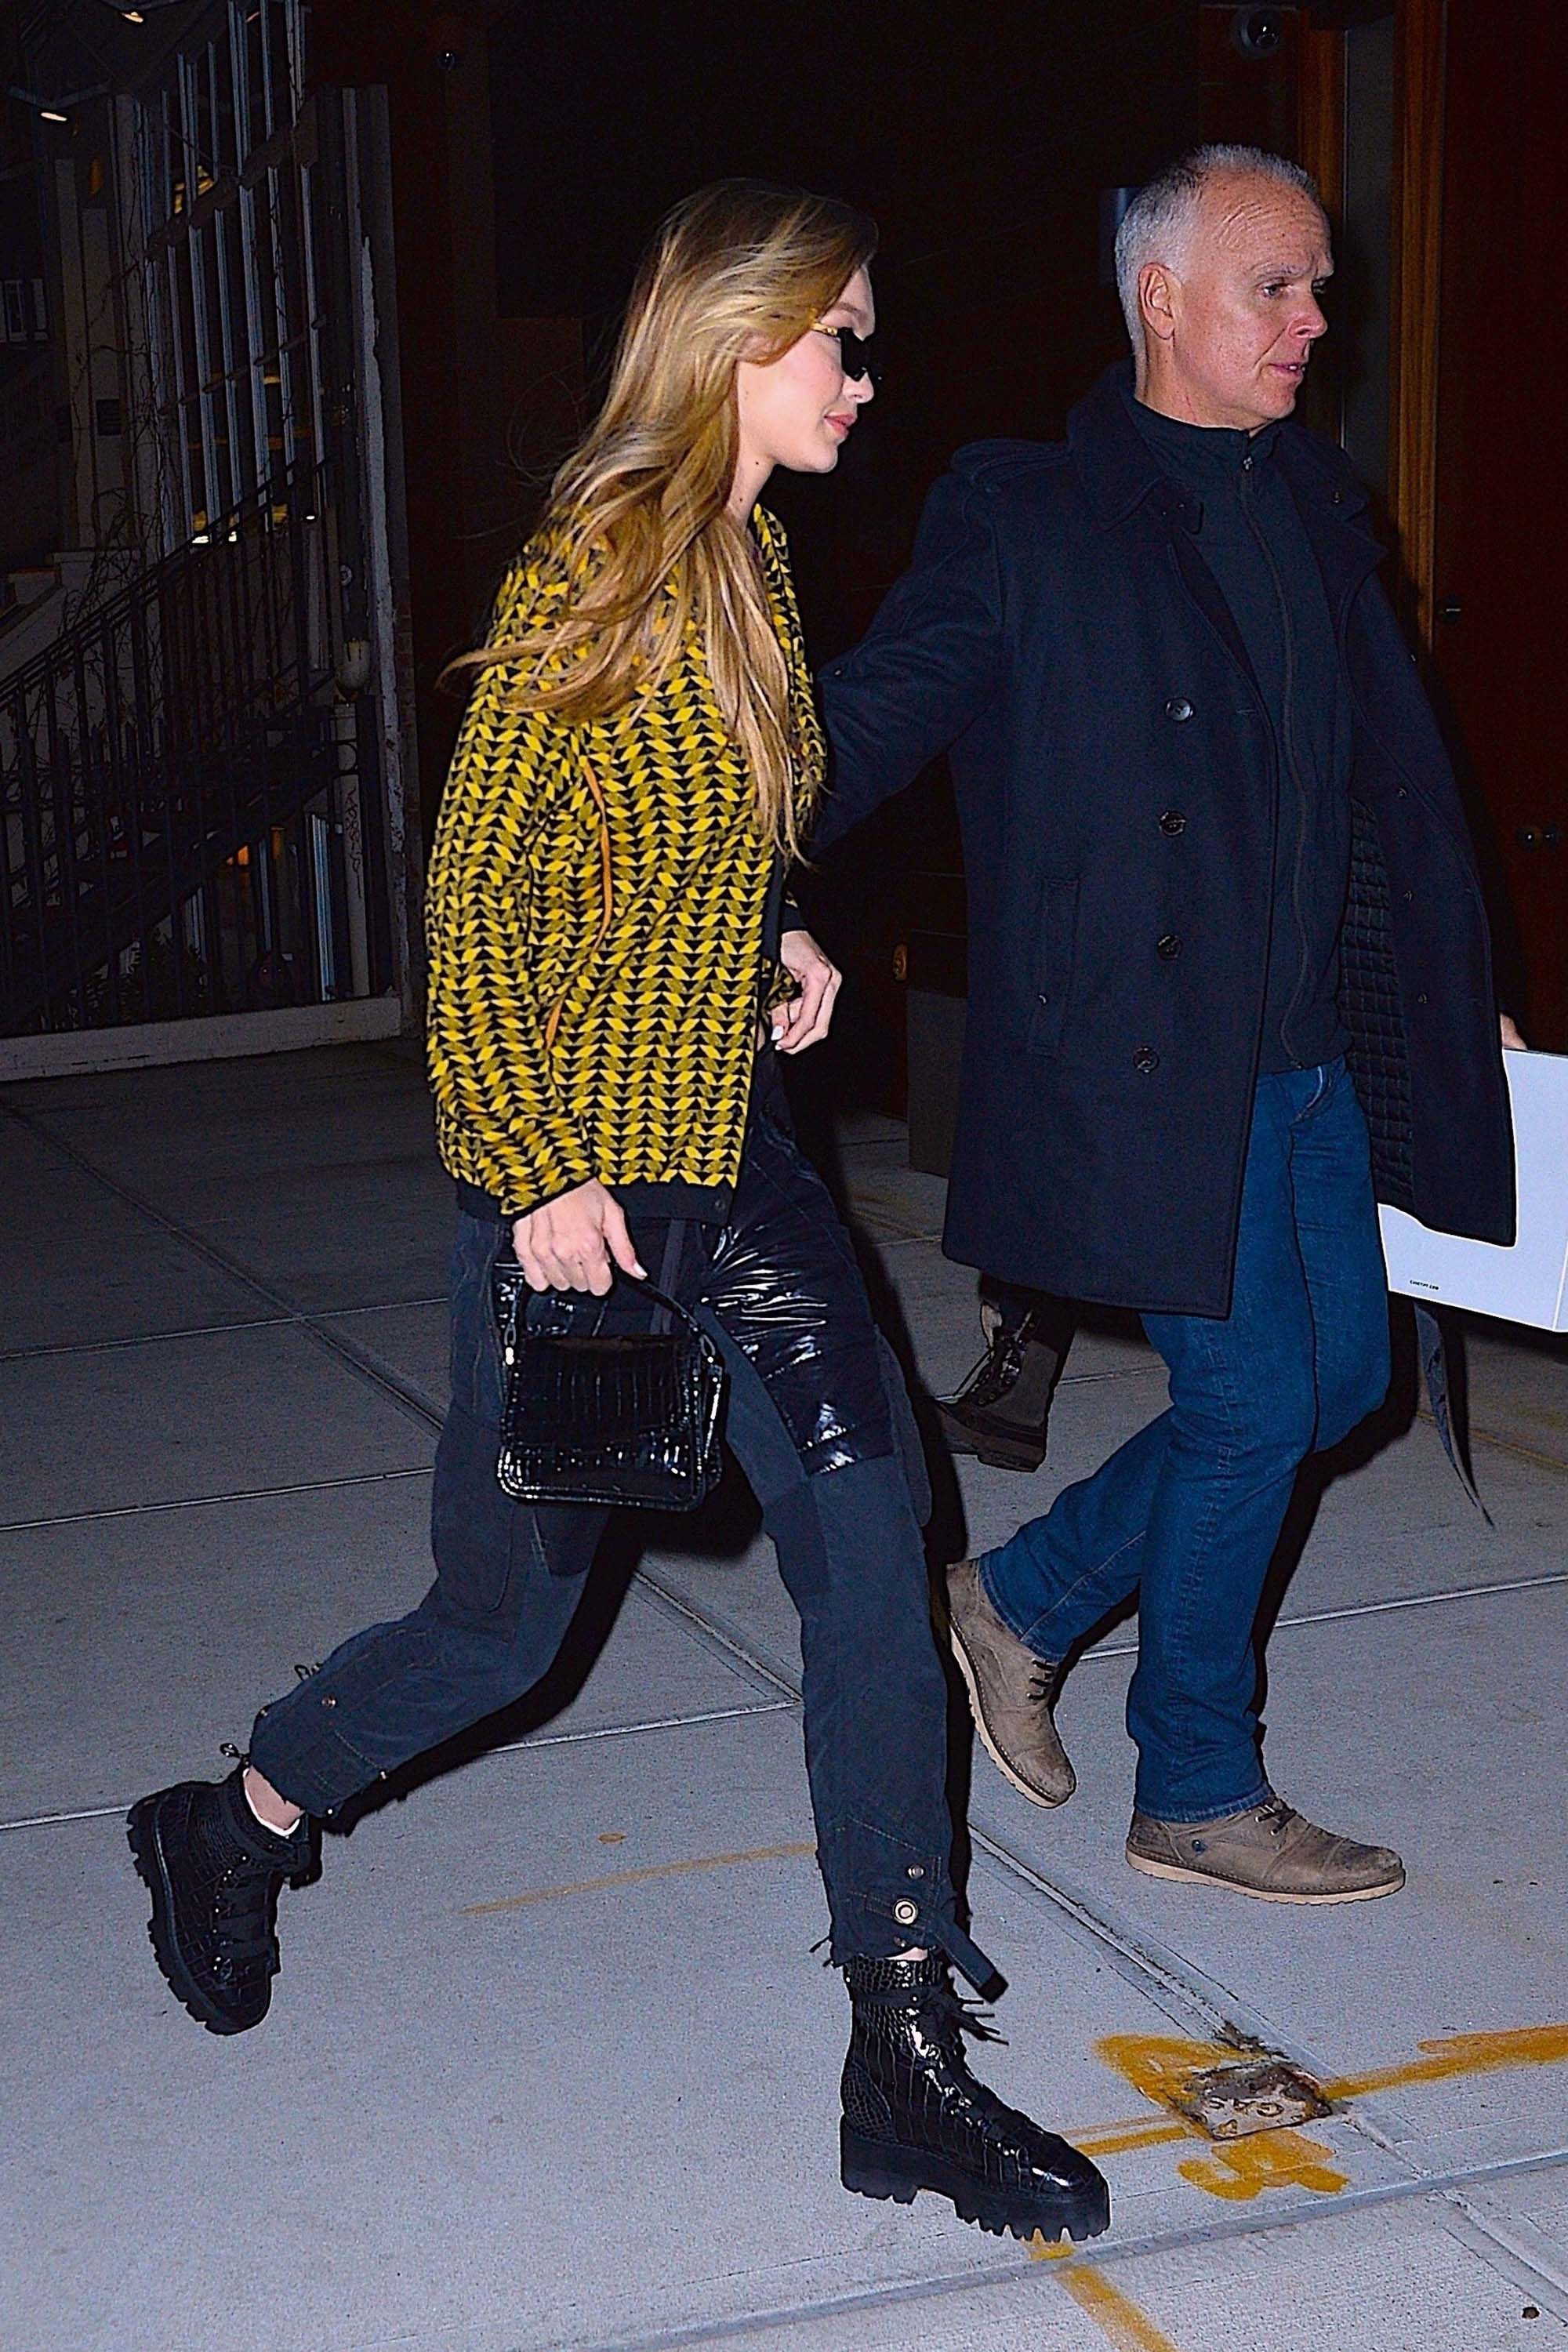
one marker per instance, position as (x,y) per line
(1055,956)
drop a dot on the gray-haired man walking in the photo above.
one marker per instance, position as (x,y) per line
(1230,978)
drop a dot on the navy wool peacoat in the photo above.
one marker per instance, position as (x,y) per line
(1059,633)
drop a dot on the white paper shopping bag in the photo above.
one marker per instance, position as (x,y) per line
(1526,1284)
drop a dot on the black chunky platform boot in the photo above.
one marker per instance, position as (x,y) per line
(915,2118)
(214,1872)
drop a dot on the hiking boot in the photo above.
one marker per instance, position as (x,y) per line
(915,2118)
(1010,1692)
(1269,1851)
(214,1872)
(1000,1413)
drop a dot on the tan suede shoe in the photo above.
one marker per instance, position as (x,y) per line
(1270,1851)
(1009,1691)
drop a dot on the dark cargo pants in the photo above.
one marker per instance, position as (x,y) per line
(819,1420)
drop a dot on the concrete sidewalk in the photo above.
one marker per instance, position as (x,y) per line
(549,2063)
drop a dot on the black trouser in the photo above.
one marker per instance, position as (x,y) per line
(820,1422)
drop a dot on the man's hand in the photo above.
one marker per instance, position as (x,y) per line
(576,1243)
(807,1019)
(1512,1043)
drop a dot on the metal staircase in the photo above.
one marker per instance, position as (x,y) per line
(171,777)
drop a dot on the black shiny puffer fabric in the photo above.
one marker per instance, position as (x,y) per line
(780,1279)
(783,1282)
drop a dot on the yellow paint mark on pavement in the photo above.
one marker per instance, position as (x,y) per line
(1243,2168)
(1117,2318)
(635,1877)
(1237,2170)
(1461,2054)
(1159,2065)
(1116,2139)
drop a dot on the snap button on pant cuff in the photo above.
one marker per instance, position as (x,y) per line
(318,1775)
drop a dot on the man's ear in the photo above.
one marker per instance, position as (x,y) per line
(1157,301)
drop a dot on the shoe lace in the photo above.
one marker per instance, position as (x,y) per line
(993,1373)
(978,2022)
(955,2011)
(1042,1683)
(240,1903)
(1278,1814)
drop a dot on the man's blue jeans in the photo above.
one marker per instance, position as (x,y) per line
(1187,1513)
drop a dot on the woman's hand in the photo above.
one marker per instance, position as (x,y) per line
(1512,1043)
(807,1019)
(576,1243)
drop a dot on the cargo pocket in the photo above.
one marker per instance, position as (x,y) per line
(1055,939)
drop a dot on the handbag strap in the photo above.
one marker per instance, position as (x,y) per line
(651,1289)
(669,1269)
(645,1287)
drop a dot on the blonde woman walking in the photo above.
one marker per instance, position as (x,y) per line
(612,970)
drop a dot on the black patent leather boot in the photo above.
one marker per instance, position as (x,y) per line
(915,2118)
(213,1873)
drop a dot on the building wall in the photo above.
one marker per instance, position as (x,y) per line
(469,374)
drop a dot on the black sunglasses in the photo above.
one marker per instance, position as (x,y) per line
(856,353)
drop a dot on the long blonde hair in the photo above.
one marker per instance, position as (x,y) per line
(637,514)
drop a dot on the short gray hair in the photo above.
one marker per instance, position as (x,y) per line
(1161,216)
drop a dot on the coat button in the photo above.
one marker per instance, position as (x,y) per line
(906,1914)
(1172,821)
(1179,709)
(1145,1059)
(1169,948)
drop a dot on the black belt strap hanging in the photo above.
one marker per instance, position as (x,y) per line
(1440,1390)
(668,1268)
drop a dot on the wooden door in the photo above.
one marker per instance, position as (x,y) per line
(1500,561)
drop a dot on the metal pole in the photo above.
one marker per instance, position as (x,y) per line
(353,677)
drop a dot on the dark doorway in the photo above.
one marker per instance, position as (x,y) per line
(1499,607)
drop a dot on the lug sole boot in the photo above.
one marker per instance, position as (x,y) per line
(915,2118)
(213,1873)
(1001,1412)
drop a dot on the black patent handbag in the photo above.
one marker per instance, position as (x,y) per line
(597,1416)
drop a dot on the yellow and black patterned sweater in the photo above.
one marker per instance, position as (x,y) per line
(598,905)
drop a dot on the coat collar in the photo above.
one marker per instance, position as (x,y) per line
(1120,469)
